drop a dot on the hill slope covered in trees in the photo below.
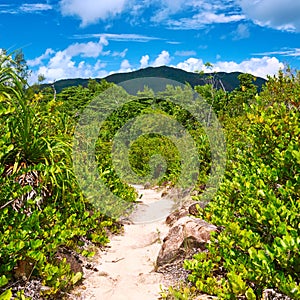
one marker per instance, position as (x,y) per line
(229,80)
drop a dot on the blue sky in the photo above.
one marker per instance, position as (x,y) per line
(93,38)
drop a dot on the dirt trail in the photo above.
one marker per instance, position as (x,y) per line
(126,269)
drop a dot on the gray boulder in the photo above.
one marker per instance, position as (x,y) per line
(186,234)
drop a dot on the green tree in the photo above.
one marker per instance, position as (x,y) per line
(20,64)
(283,88)
(242,95)
(214,96)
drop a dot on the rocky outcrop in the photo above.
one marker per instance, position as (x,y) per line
(186,234)
(190,208)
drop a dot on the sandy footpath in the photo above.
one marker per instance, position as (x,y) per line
(126,269)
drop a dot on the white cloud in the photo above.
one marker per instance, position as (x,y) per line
(162,59)
(38,60)
(125,66)
(61,60)
(144,62)
(62,66)
(29,8)
(67,63)
(24,8)
(99,65)
(137,9)
(168,7)
(285,52)
(123,37)
(173,43)
(198,13)
(191,65)
(120,54)
(242,32)
(185,53)
(91,11)
(278,14)
(205,18)
(90,49)
(64,58)
(257,66)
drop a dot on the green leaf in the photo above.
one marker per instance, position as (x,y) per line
(77,277)
(250,294)
(237,284)
(3,280)
(296,155)
(36,243)
(252,252)
(7,295)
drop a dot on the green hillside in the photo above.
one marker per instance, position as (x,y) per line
(229,80)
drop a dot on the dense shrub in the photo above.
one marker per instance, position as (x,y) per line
(258,204)
(42,208)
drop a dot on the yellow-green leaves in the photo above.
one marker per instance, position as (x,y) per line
(7,295)
(257,205)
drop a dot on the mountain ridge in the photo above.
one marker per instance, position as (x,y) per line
(229,81)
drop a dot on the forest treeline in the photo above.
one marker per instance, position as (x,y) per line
(43,209)
(228,80)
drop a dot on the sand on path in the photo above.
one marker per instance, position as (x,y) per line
(127,267)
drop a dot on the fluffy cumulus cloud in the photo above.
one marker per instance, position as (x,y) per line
(90,49)
(257,66)
(162,59)
(144,62)
(38,60)
(278,14)
(62,66)
(70,62)
(125,67)
(191,65)
(91,11)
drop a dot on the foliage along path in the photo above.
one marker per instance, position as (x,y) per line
(126,269)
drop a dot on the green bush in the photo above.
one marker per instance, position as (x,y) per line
(257,206)
(42,207)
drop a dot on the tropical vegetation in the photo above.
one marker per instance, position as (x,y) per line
(44,208)
(257,205)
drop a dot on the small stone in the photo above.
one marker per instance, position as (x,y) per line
(147,185)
